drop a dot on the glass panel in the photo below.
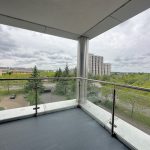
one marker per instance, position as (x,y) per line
(100,94)
(133,106)
(55,90)
(13,94)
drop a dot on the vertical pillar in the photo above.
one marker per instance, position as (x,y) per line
(82,68)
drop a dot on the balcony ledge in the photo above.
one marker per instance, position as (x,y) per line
(24,112)
(125,132)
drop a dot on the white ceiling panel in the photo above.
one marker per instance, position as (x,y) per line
(21,24)
(105,25)
(69,18)
(131,9)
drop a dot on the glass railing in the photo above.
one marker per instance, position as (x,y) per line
(128,103)
(57,89)
(133,106)
(100,94)
(13,94)
(25,96)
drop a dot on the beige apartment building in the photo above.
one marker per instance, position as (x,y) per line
(97,67)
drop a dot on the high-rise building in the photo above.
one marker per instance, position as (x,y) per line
(97,67)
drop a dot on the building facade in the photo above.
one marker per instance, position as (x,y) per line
(4,70)
(97,67)
(0,72)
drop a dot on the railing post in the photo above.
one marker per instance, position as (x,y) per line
(36,99)
(113,112)
(79,87)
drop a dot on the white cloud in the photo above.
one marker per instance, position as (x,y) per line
(126,47)
(24,48)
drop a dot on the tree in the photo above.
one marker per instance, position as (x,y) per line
(92,92)
(66,87)
(33,85)
(9,72)
(75,71)
(58,73)
(66,71)
(132,103)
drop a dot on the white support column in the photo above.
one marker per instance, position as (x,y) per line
(82,68)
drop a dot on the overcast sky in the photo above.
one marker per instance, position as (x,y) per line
(126,47)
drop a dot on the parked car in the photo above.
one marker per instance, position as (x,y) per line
(13,96)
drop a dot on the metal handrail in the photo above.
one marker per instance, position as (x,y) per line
(43,78)
(117,84)
(114,96)
(74,78)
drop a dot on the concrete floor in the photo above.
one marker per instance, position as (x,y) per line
(65,130)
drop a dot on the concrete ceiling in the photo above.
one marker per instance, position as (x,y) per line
(69,18)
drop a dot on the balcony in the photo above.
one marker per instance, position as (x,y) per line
(69,129)
(97,123)
(93,114)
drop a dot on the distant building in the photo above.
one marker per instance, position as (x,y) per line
(4,70)
(22,70)
(97,67)
(0,72)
